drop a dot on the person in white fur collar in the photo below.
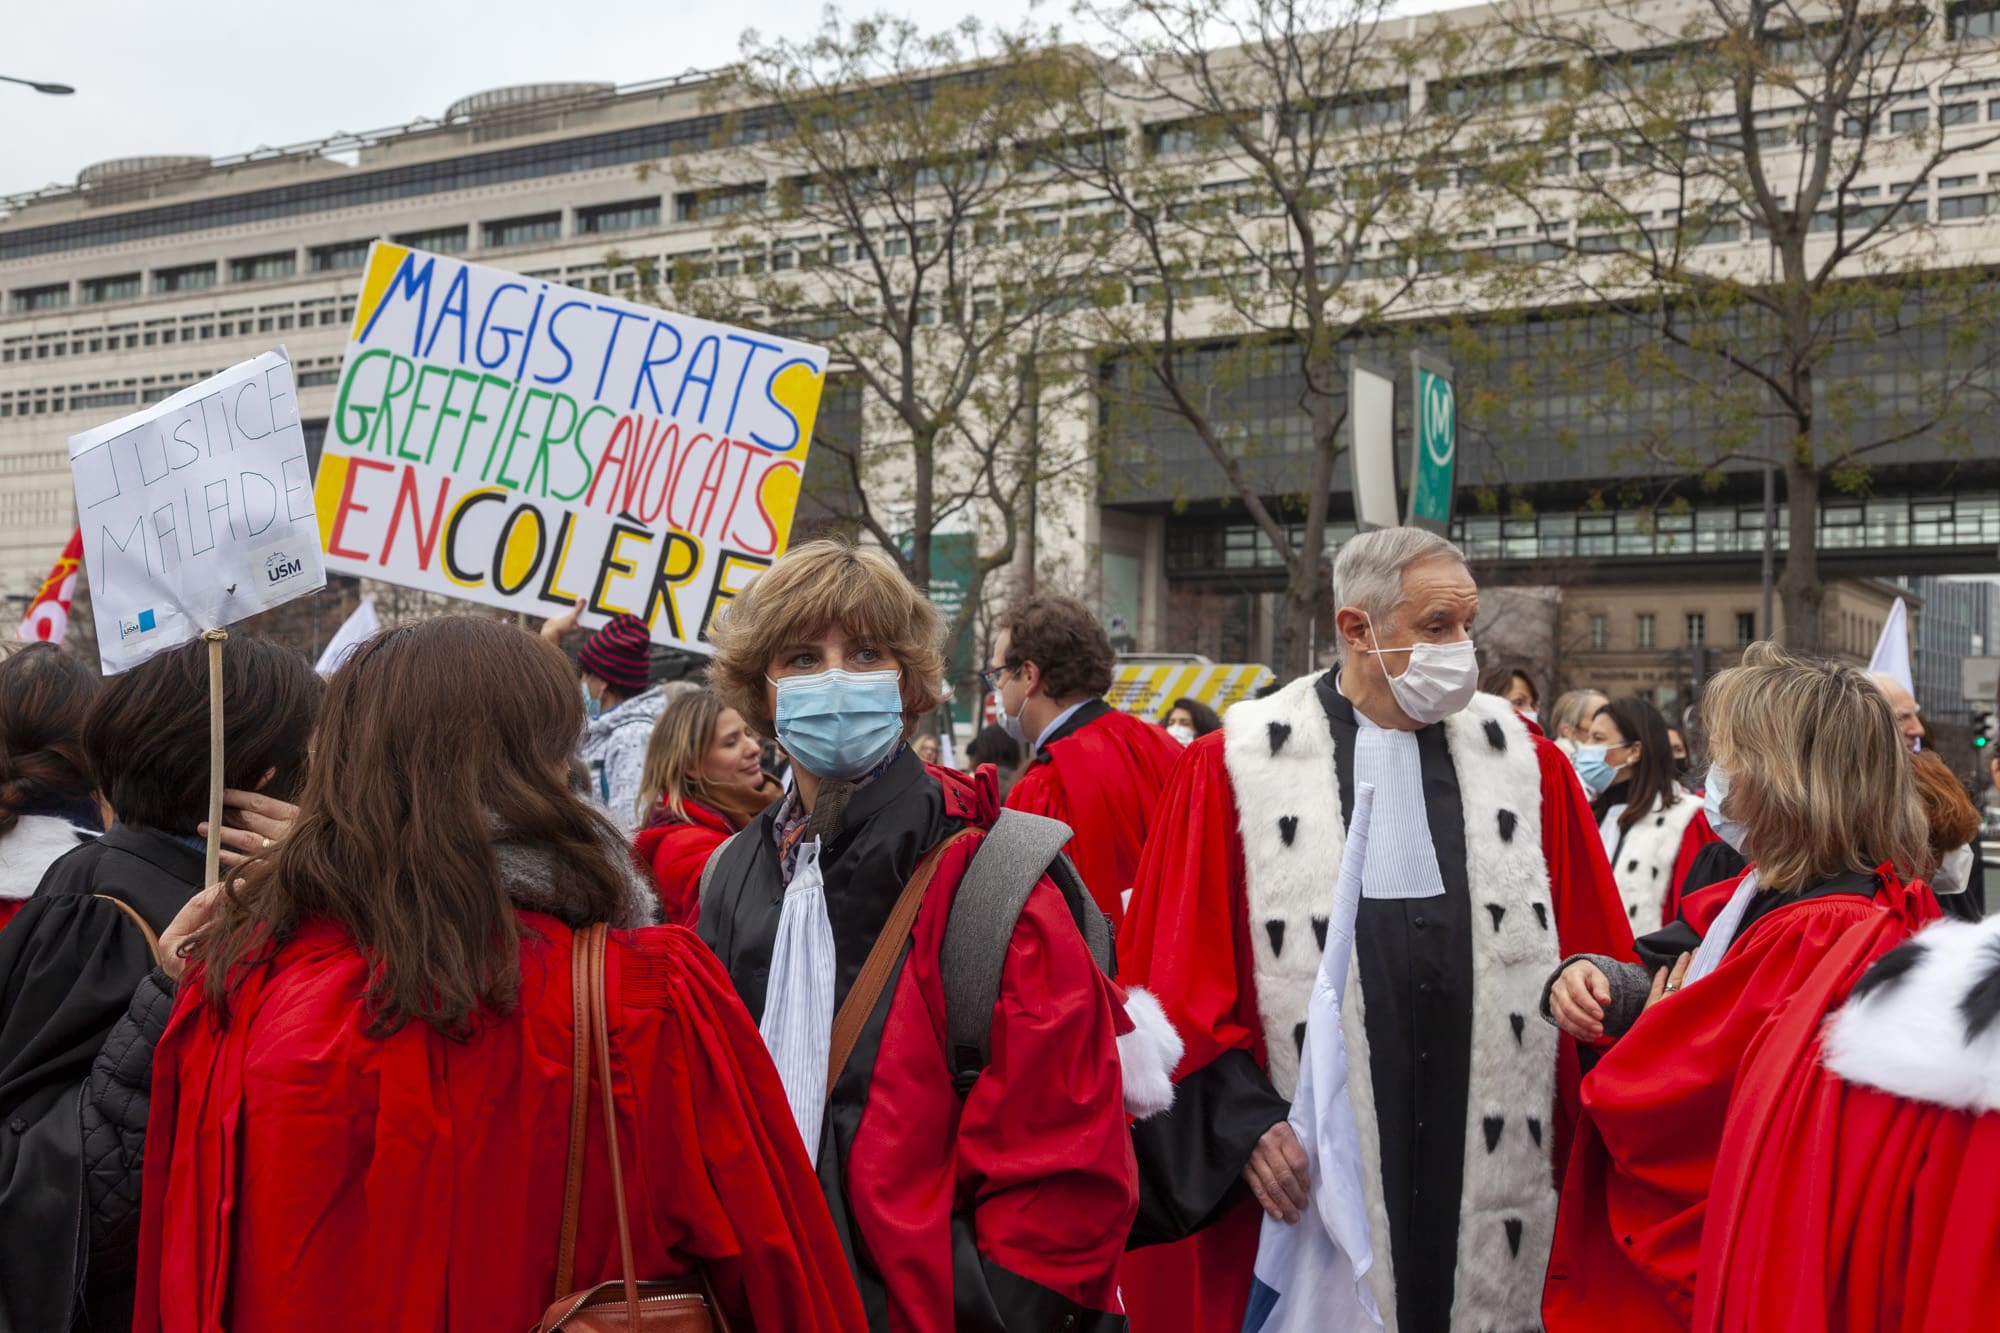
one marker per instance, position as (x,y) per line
(1485,867)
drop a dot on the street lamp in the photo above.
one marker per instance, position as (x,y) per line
(53,89)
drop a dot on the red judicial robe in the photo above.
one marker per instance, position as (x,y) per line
(673,854)
(1635,1200)
(997,1208)
(303,1176)
(1188,939)
(1839,1207)
(1101,774)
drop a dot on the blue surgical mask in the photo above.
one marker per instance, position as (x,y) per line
(1717,790)
(1594,769)
(591,708)
(840,724)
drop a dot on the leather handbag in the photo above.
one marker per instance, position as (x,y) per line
(675,1305)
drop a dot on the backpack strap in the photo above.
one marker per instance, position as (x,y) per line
(1017,851)
(715,859)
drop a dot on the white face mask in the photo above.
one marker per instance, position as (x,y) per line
(1439,680)
(1010,723)
(1182,732)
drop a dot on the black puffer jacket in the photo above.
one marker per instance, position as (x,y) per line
(70,964)
(115,1102)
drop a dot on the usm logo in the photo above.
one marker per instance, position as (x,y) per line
(279,567)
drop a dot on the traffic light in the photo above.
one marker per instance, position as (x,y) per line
(1982,730)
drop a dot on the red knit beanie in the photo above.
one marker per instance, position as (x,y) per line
(620,654)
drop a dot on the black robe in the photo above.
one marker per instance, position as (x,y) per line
(69,965)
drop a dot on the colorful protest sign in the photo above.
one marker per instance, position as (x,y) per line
(523,444)
(1149,691)
(196,512)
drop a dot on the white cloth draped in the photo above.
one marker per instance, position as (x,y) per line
(1311,1274)
(1723,931)
(798,1003)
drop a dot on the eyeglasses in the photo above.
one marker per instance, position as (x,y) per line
(989,679)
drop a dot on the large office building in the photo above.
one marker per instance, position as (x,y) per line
(148,274)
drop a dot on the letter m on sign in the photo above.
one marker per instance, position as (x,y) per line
(394,270)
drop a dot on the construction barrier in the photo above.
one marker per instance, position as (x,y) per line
(1149,691)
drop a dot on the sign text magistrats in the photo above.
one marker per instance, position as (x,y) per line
(521,443)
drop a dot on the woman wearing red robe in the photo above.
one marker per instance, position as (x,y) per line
(703,780)
(1854,1192)
(1811,782)
(360,1102)
(972,1198)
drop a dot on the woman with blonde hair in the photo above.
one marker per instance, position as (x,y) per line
(1811,782)
(703,780)
(990,1195)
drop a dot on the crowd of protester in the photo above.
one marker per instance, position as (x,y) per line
(874,1056)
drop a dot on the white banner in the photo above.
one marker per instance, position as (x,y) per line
(196,512)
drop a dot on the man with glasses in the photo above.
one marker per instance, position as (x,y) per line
(1096,769)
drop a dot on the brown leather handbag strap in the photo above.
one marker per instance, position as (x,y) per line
(579,1106)
(881,961)
(601,1033)
(152,940)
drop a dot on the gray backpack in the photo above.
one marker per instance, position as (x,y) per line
(1016,852)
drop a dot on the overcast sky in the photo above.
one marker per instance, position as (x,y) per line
(215,78)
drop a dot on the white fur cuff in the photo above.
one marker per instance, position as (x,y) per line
(1148,1055)
(1921,1023)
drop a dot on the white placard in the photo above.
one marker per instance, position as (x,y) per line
(1371,407)
(197,511)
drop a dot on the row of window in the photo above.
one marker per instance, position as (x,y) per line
(536,229)
(1646,630)
(315,312)
(97,395)
(1964,520)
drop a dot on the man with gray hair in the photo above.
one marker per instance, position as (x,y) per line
(1484,870)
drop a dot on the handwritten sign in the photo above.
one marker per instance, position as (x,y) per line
(522,444)
(196,512)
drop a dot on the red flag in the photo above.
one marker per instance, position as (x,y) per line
(48,614)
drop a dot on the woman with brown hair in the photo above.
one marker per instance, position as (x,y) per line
(703,780)
(47,803)
(1810,781)
(994,1196)
(354,1109)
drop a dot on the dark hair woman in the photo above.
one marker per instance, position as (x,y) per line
(1191,719)
(46,805)
(1652,826)
(354,1114)
(703,780)
(73,960)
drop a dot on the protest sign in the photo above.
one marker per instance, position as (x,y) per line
(196,512)
(523,444)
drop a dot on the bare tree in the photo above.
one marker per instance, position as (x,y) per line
(1748,183)
(1280,190)
(890,204)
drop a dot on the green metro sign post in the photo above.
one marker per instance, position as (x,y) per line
(1433,444)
